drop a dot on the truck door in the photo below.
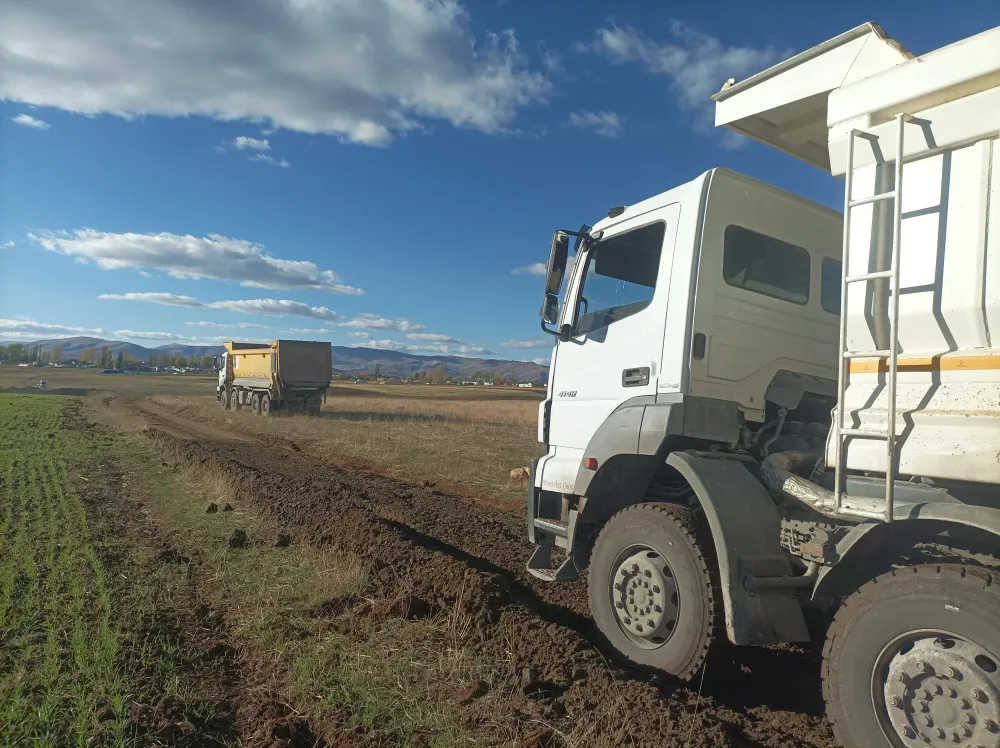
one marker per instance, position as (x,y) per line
(618,312)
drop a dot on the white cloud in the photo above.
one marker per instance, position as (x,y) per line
(187,256)
(433,337)
(537,269)
(375,322)
(22,328)
(360,335)
(275,307)
(243,142)
(695,63)
(6,245)
(217,326)
(605,124)
(272,307)
(167,299)
(311,331)
(362,71)
(542,361)
(384,345)
(150,335)
(26,120)
(526,343)
(264,158)
(450,350)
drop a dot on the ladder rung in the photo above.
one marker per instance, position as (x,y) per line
(867,354)
(873,199)
(869,276)
(865,434)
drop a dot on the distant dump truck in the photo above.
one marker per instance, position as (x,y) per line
(286,375)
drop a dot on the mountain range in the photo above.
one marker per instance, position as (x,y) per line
(345,359)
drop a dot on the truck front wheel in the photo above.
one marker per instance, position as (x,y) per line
(650,590)
(224,399)
(912,659)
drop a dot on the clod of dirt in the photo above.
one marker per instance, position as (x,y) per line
(529,676)
(472,692)
(543,737)
(52,436)
(171,556)
(411,608)
(228,508)
(178,733)
(283,541)
(428,484)
(212,508)
(239,539)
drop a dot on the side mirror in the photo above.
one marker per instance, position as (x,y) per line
(215,361)
(556,266)
(550,309)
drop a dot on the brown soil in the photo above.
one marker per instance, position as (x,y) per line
(429,551)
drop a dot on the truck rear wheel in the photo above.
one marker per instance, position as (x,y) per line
(265,405)
(650,590)
(913,659)
(255,403)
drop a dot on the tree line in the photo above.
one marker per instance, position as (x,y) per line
(103,357)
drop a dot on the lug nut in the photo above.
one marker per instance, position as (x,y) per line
(965,704)
(896,702)
(650,623)
(922,666)
(953,693)
(647,573)
(955,673)
(620,606)
(940,734)
(905,731)
(901,678)
(969,719)
(656,589)
(938,690)
(955,736)
(927,694)
(928,721)
(978,695)
(990,725)
(924,707)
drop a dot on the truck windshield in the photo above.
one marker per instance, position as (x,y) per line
(620,277)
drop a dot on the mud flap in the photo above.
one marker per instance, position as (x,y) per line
(746,530)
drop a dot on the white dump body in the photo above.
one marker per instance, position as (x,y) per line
(948,385)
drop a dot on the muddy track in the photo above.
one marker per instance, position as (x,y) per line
(423,544)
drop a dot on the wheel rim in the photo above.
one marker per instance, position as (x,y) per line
(644,596)
(935,688)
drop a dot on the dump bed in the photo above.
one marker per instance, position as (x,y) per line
(295,364)
(944,106)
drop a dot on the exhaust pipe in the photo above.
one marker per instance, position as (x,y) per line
(778,473)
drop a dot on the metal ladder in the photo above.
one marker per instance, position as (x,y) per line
(892,273)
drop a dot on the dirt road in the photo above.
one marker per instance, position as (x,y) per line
(441,553)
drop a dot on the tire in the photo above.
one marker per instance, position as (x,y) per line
(265,405)
(255,403)
(670,533)
(889,657)
(224,399)
(235,403)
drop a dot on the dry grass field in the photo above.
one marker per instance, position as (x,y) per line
(465,439)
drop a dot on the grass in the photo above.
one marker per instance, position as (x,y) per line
(378,673)
(466,439)
(455,436)
(60,654)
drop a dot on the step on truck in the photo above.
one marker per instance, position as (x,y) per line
(286,375)
(758,405)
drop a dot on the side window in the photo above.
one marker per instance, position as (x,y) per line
(765,265)
(829,296)
(620,277)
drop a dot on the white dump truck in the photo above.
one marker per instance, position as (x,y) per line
(285,375)
(741,424)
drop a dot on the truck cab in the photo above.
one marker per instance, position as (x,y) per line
(692,317)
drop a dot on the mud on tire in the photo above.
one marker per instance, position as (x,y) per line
(912,653)
(652,543)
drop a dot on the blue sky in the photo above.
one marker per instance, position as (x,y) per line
(369,172)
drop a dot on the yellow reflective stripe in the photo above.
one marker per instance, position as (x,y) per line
(943,363)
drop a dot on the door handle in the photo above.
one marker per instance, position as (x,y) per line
(635,377)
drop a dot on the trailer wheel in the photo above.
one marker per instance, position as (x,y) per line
(650,590)
(913,659)
(255,403)
(265,405)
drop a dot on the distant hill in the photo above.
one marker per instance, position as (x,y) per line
(345,359)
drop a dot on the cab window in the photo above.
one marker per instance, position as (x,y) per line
(620,277)
(765,265)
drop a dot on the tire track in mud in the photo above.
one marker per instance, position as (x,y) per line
(448,555)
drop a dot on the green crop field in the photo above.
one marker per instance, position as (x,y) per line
(61,672)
